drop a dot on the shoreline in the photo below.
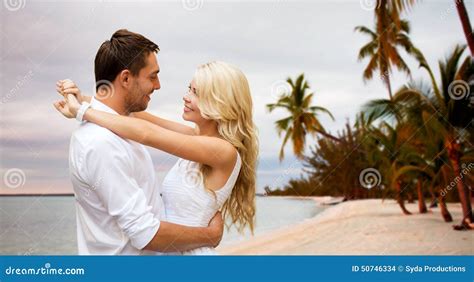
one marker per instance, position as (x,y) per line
(363,227)
(39,195)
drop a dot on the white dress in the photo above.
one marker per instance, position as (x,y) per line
(187,202)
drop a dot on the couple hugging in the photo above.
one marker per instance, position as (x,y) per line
(120,206)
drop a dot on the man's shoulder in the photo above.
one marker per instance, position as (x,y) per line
(90,135)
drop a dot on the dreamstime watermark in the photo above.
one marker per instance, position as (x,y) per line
(14,178)
(465,170)
(193,177)
(458,90)
(94,186)
(192,5)
(448,11)
(369,5)
(273,6)
(28,252)
(280,88)
(105,89)
(14,5)
(43,270)
(282,176)
(370,178)
(21,81)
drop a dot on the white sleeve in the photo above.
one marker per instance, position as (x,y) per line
(109,171)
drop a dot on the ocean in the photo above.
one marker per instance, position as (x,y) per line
(46,225)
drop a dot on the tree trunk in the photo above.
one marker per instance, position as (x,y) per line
(400,200)
(444,210)
(383,22)
(454,157)
(327,135)
(466,25)
(389,86)
(339,140)
(421,199)
(434,199)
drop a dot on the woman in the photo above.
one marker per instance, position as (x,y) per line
(217,159)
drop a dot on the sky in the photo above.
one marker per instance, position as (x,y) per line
(44,41)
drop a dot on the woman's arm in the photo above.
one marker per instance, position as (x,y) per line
(168,124)
(211,151)
(69,87)
(87,99)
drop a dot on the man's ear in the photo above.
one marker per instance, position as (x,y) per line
(124,78)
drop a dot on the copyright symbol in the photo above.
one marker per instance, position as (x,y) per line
(400,268)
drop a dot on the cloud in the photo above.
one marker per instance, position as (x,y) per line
(271,40)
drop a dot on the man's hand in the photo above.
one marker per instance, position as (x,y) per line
(216,227)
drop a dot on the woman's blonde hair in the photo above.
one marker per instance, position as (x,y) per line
(224,96)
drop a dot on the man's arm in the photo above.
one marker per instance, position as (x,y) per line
(178,238)
(108,167)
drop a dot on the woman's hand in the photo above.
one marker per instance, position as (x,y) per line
(62,107)
(72,98)
(68,107)
(67,86)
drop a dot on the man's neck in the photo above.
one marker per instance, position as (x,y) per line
(115,105)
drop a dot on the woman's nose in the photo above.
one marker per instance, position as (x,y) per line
(186,98)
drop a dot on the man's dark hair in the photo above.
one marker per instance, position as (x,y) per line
(124,50)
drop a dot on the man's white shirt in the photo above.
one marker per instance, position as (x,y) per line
(118,201)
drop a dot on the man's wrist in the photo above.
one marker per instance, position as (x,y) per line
(215,235)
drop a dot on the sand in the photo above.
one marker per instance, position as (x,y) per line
(364,227)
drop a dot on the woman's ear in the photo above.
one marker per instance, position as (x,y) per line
(124,78)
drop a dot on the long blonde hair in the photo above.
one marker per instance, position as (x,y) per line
(224,96)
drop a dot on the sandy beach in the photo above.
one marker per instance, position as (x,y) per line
(364,227)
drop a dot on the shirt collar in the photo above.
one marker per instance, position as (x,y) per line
(98,105)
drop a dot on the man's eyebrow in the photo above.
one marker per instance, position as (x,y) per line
(156,72)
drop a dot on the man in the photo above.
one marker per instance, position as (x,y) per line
(119,207)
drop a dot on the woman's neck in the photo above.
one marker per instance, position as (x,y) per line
(208,129)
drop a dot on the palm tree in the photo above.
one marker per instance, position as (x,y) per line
(334,166)
(444,118)
(466,24)
(388,12)
(383,53)
(303,116)
(393,155)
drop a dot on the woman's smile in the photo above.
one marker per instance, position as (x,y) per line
(187,109)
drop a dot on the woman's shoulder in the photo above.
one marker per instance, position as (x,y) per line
(228,153)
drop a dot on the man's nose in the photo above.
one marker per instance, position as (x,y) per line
(157,84)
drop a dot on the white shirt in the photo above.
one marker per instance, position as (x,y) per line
(118,202)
